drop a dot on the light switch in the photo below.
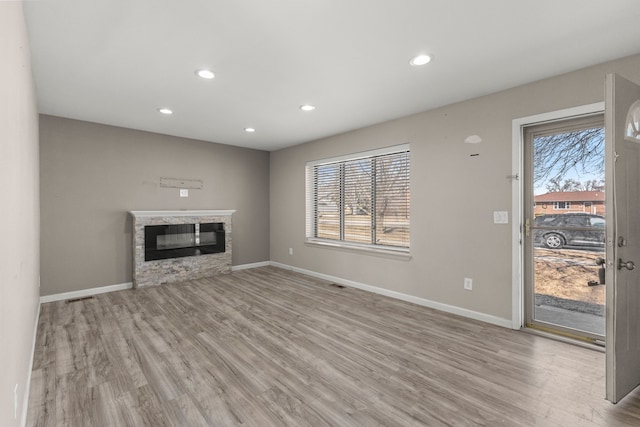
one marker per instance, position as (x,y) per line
(184,192)
(501,217)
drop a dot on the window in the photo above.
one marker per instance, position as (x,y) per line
(361,199)
(561,205)
(576,221)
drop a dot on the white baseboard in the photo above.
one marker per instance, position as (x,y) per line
(27,387)
(112,288)
(85,292)
(248,266)
(494,320)
(487,318)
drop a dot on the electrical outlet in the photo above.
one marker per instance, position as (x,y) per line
(184,192)
(468,284)
(290,251)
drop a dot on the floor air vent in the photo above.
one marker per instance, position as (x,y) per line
(77,299)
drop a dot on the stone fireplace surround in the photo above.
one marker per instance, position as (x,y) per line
(158,272)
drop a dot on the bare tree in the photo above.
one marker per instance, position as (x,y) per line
(391,189)
(593,185)
(556,185)
(357,194)
(581,151)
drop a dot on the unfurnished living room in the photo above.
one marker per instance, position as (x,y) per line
(319,213)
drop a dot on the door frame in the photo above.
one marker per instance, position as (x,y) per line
(517,196)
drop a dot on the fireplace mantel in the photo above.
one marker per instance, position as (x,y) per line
(172,270)
(182,213)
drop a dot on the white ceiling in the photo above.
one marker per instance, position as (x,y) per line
(117,61)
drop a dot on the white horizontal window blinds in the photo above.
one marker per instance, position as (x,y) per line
(363,200)
(358,199)
(327,201)
(392,200)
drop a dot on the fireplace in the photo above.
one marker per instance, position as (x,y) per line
(176,246)
(182,240)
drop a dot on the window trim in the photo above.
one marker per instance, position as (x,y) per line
(310,223)
(383,251)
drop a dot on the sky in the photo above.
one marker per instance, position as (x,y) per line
(549,148)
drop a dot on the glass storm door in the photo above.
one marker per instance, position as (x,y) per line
(565,228)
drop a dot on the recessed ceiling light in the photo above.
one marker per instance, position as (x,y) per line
(307,107)
(250,130)
(420,60)
(166,111)
(205,74)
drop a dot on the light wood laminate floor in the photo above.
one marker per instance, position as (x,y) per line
(268,347)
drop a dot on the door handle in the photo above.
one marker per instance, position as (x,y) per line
(629,265)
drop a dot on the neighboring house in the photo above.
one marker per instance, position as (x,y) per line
(570,201)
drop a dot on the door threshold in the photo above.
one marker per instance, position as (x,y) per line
(597,345)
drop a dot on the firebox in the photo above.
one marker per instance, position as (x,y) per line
(182,240)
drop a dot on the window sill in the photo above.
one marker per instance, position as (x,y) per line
(400,254)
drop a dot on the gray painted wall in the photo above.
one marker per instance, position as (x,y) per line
(92,174)
(19,212)
(453,195)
